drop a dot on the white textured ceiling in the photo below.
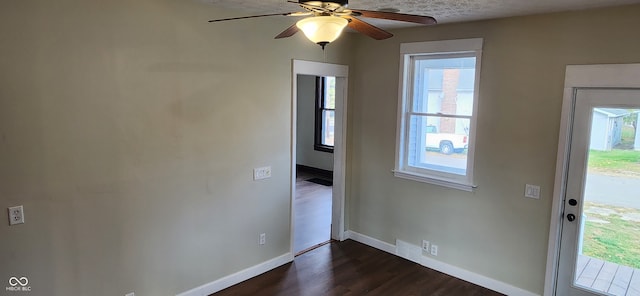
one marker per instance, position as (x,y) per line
(445,11)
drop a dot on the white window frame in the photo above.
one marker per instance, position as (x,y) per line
(471,46)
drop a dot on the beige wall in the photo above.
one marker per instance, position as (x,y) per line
(494,231)
(129,131)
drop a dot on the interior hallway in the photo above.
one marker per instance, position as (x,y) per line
(312,211)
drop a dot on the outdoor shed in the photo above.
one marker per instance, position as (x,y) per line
(606,128)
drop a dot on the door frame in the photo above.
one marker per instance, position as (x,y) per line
(577,76)
(341,72)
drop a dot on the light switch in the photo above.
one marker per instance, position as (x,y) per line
(532,191)
(262,173)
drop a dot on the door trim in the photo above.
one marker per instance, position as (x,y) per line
(300,67)
(577,76)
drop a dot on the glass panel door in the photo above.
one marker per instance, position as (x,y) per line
(600,248)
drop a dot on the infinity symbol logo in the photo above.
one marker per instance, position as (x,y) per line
(14,281)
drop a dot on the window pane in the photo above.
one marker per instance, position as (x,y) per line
(330,93)
(438,101)
(609,230)
(438,143)
(328,122)
(444,85)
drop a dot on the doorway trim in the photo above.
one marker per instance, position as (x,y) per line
(341,72)
(577,76)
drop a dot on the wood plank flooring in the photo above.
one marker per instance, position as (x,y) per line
(312,213)
(607,277)
(351,268)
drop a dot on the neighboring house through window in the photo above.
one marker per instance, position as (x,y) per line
(325,113)
(437,112)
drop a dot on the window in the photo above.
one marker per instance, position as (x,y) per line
(437,112)
(325,113)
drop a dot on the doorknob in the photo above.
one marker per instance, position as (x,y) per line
(573,202)
(571,217)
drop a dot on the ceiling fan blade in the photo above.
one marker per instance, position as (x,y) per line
(251,16)
(288,32)
(412,18)
(367,29)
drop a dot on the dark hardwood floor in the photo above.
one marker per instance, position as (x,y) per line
(351,268)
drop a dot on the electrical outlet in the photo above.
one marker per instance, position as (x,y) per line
(425,245)
(262,173)
(16,215)
(434,250)
(263,238)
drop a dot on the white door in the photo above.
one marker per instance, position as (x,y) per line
(600,236)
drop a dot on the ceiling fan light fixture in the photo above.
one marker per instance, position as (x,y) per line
(322,29)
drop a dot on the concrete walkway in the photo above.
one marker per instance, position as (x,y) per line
(613,190)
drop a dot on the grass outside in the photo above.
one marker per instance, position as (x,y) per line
(615,162)
(621,160)
(612,234)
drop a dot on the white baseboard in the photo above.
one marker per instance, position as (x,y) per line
(238,277)
(408,253)
(370,241)
(475,278)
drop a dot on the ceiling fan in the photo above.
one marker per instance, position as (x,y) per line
(325,21)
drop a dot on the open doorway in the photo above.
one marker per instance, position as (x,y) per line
(318,154)
(314,161)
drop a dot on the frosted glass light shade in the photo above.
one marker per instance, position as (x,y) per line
(322,29)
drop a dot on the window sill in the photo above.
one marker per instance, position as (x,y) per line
(323,148)
(434,181)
